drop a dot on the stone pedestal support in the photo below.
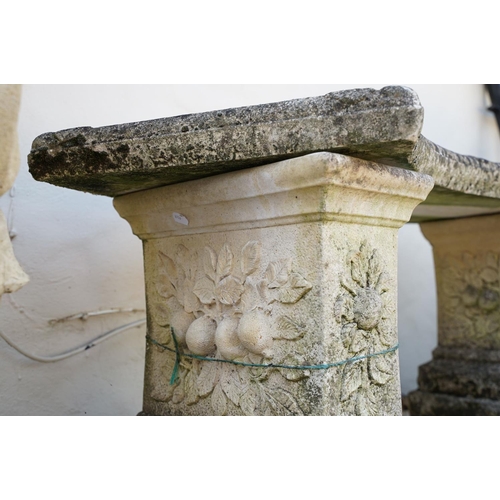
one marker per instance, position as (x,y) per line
(291,264)
(463,377)
(12,277)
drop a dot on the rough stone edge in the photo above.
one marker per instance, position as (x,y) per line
(456,172)
(422,403)
(366,123)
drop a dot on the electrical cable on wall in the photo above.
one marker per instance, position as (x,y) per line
(58,357)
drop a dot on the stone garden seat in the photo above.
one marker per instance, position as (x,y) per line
(270,238)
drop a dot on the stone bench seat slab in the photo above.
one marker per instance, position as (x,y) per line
(377,125)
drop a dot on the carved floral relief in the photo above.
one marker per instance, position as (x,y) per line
(221,306)
(471,299)
(364,308)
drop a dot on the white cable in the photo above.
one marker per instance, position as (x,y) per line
(86,315)
(72,352)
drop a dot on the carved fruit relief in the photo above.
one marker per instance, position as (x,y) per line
(220,306)
(364,308)
(470,305)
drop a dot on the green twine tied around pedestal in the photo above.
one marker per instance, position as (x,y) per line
(324,366)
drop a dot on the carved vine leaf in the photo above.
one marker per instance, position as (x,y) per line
(294,289)
(210,263)
(229,290)
(359,343)
(352,379)
(224,262)
(219,403)
(191,303)
(248,400)
(178,395)
(161,314)
(379,370)
(207,379)
(367,403)
(183,258)
(250,257)
(277,273)
(190,388)
(289,329)
(282,402)
(231,384)
(165,287)
(204,289)
(169,266)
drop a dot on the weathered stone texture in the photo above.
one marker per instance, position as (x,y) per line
(378,125)
(466,364)
(293,264)
(12,277)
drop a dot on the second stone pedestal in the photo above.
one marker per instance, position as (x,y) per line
(272,290)
(463,377)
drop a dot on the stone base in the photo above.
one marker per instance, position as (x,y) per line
(431,404)
(458,381)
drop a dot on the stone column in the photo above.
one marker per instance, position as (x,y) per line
(291,264)
(463,377)
(12,277)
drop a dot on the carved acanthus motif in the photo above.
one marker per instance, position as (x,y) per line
(364,309)
(222,308)
(471,285)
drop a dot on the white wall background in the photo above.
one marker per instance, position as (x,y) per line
(81,256)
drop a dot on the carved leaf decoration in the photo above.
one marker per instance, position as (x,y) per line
(277,272)
(248,402)
(250,257)
(162,392)
(289,329)
(231,384)
(169,266)
(224,262)
(161,314)
(204,289)
(229,290)
(374,270)
(190,388)
(282,402)
(250,298)
(210,263)
(191,303)
(367,403)
(178,395)
(358,270)
(472,278)
(219,403)
(383,283)
(207,378)
(379,370)
(347,332)
(359,342)
(484,326)
(183,258)
(489,275)
(296,287)
(351,380)
(385,332)
(165,287)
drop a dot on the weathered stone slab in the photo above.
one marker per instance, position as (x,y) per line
(382,126)
(118,159)
(291,264)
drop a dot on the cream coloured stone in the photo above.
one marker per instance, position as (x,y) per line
(462,378)
(300,255)
(10,99)
(12,277)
